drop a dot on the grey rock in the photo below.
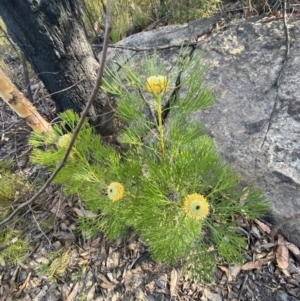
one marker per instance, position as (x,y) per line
(244,60)
(240,118)
(22,276)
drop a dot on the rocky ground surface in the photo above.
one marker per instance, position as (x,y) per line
(61,264)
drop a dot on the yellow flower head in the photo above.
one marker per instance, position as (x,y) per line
(115,191)
(64,140)
(157,84)
(196,206)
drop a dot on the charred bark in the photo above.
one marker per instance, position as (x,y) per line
(51,34)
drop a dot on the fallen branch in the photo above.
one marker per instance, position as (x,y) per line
(21,105)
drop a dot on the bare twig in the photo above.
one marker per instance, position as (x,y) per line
(26,77)
(277,82)
(89,17)
(49,242)
(60,91)
(184,44)
(82,118)
(8,39)
(249,9)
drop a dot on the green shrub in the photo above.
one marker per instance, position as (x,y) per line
(56,264)
(166,182)
(13,247)
(13,187)
(127,17)
(131,16)
(182,11)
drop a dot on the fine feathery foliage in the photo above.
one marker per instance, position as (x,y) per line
(13,188)
(56,265)
(166,182)
(13,248)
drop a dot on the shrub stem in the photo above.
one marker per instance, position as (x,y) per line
(160,125)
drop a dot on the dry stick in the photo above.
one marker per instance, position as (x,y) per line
(185,44)
(81,121)
(26,77)
(60,91)
(277,81)
(243,287)
(41,230)
(8,39)
(89,17)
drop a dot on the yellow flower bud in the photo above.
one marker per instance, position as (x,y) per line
(157,84)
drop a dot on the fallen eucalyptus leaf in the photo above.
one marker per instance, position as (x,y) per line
(282,253)
(263,226)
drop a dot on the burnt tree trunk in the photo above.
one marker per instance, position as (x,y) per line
(52,36)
